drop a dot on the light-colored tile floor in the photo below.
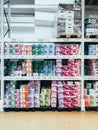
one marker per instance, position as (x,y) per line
(49,121)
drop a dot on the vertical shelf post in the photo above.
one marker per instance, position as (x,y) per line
(2,55)
(82,68)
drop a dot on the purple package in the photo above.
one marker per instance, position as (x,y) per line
(31,99)
(36,105)
(59,83)
(60,89)
(60,95)
(31,105)
(58,63)
(37,91)
(31,84)
(58,73)
(61,105)
(31,91)
(61,101)
(57,48)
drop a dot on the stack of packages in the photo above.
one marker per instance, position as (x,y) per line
(18,68)
(92,70)
(28,96)
(69,94)
(43,49)
(37,94)
(38,49)
(27,68)
(44,68)
(45,97)
(90,95)
(91,25)
(17,49)
(60,93)
(12,96)
(11,68)
(31,91)
(68,19)
(50,49)
(24,93)
(72,94)
(72,68)
(67,49)
(49,68)
(58,67)
(93,50)
(54,94)
(96,91)
(26,50)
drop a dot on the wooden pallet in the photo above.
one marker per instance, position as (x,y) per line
(69,36)
(91,36)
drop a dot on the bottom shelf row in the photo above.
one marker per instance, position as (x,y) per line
(49,95)
(42,94)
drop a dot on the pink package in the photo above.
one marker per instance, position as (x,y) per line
(77,72)
(53,94)
(67,99)
(71,88)
(53,104)
(64,68)
(66,93)
(70,73)
(54,89)
(64,74)
(71,93)
(70,62)
(67,105)
(53,99)
(63,53)
(66,87)
(64,47)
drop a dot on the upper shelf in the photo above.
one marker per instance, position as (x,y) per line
(43,40)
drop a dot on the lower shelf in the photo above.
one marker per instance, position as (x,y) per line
(91,108)
(41,109)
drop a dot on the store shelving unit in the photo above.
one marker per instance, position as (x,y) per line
(81,40)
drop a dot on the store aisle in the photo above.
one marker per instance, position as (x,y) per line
(49,121)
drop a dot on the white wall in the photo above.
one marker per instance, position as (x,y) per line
(43,32)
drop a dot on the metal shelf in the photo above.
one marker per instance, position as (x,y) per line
(41,78)
(55,40)
(90,77)
(90,57)
(91,39)
(41,57)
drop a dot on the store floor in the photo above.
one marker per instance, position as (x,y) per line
(49,121)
